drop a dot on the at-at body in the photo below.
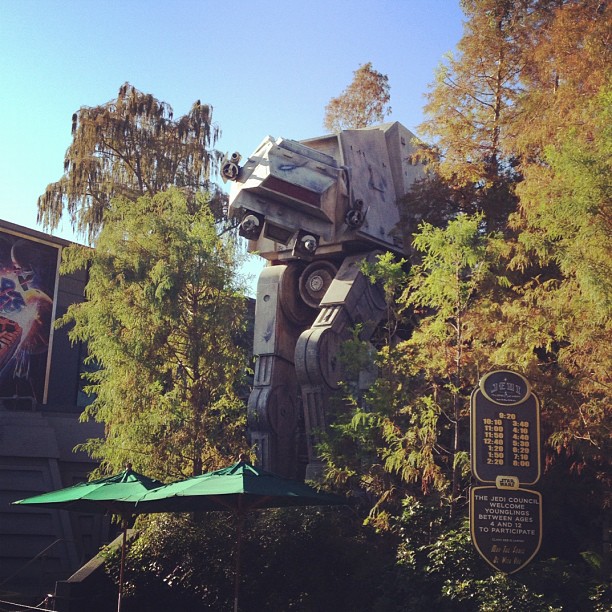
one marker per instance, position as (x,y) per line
(315,210)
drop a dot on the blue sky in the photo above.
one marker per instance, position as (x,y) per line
(266,67)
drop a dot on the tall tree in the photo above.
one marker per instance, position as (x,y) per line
(411,421)
(566,235)
(130,147)
(364,102)
(519,113)
(473,98)
(455,268)
(564,219)
(521,120)
(161,321)
(552,151)
(566,57)
(469,113)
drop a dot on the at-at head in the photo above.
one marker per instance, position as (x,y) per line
(333,194)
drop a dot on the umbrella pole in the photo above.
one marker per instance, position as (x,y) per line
(240,517)
(122,566)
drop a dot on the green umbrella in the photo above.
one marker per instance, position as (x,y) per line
(108,495)
(238,489)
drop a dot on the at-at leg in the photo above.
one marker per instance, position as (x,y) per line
(273,406)
(350,300)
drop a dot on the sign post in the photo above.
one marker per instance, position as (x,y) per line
(505,519)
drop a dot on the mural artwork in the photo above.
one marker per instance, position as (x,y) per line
(28,280)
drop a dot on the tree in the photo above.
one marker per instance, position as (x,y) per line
(473,98)
(290,556)
(130,147)
(515,120)
(566,234)
(553,152)
(161,321)
(470,109)
(564,224)
(406,436)
(521,122)
(456,265)
(566,59)
(364,102)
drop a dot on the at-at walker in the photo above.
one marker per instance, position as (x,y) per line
(315,209)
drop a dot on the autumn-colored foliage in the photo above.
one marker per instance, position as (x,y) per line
(130,147)
(364,102)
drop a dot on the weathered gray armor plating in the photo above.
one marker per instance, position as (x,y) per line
(315,210)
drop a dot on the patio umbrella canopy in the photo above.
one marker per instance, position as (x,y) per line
(105,495)
(102,495)
(239,489)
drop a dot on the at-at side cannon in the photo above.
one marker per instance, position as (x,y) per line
(315,209)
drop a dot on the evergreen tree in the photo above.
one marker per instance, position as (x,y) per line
(566,311)
(455,269)
(520,122)
(130,147)
(565,59)
(161,320)
(409,426)
(520,113)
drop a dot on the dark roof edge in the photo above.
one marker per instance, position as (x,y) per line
(32,233)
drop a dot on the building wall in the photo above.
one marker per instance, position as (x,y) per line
(40,405)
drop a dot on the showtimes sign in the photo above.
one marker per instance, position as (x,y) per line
(505,428)
(505,519)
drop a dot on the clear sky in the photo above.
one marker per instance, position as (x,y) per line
(268,67)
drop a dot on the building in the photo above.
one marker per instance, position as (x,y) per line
(40,401)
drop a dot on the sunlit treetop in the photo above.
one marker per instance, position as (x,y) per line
(130,147)
(364,102)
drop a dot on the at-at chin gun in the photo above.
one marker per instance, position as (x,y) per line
(315,210)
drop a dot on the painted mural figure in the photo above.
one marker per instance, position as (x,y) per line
(28,271)
(315,210)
